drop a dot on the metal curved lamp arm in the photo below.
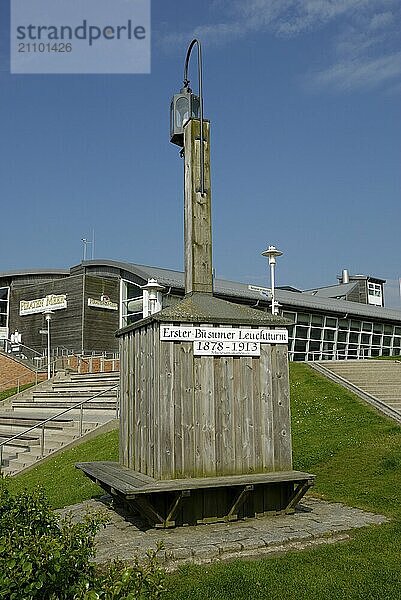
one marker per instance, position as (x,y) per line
(200,84)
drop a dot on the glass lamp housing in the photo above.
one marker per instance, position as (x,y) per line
(184,106)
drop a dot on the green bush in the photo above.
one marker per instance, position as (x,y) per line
(43,558)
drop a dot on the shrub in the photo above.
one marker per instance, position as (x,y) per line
(43,558)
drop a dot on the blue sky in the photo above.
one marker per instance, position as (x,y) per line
(304,97)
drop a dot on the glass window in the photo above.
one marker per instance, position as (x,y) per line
(290,315)
(300,346)
(367,326)
(341,349)
(354,337)
(314,346)
(397,330)
(378,327)
(331,322)
(3,320)
(303,319)
(317,320)
(131,304)
(386,352)
(377,340)
(355,325)
(343,324)
(290,330)
(365,338)
(387,340)
(397,342)
(342,336)
(4,294)
(388,330)
(315,333)
(301,332)
(329,334)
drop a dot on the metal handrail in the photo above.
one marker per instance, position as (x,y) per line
(18,381)
(23,346)
(32,366)
(43,423)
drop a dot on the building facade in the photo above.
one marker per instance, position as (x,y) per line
(89,302)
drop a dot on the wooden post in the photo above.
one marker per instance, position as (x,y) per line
(197,212)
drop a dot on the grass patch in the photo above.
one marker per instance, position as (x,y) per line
(356,456)
(62,482)
(12,391)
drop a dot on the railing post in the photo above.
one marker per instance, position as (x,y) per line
(81,416)
(18,386)
(42,441)
(1,458)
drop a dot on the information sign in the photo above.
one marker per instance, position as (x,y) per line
(185,333)
(202,348)
(223,341)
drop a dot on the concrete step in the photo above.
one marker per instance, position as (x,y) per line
(24,422)
(19,458)
(78,390)
(380,379)
(82,380)
(21,442)
(48,400)
(69,393)
(92,377)
(56,404)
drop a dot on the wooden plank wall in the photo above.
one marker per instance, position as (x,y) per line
(66,324)
(100,324)
(185,416)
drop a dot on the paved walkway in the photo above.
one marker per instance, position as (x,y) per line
(315,522)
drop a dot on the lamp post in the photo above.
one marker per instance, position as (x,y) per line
(185,106)
(48,316)
(272,254)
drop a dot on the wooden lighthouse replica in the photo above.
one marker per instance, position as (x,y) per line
(205,432)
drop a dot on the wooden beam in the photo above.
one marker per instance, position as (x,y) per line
(169,522)
(238,502)
(197,212)
(299,492)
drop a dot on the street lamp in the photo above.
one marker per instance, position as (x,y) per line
(185,106)
(48,316)
(272,254)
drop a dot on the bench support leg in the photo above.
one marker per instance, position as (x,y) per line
(238,502)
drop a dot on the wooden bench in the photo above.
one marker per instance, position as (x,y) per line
(213,499)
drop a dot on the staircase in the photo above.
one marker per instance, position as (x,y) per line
(376,381)
(54,399)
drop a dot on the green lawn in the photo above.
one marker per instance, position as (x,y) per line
(62,482)
(356,456)
(10,392)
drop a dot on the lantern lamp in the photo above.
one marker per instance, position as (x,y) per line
(184,106)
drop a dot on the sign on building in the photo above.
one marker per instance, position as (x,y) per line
(223,341)
(104,303)
(39,305)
